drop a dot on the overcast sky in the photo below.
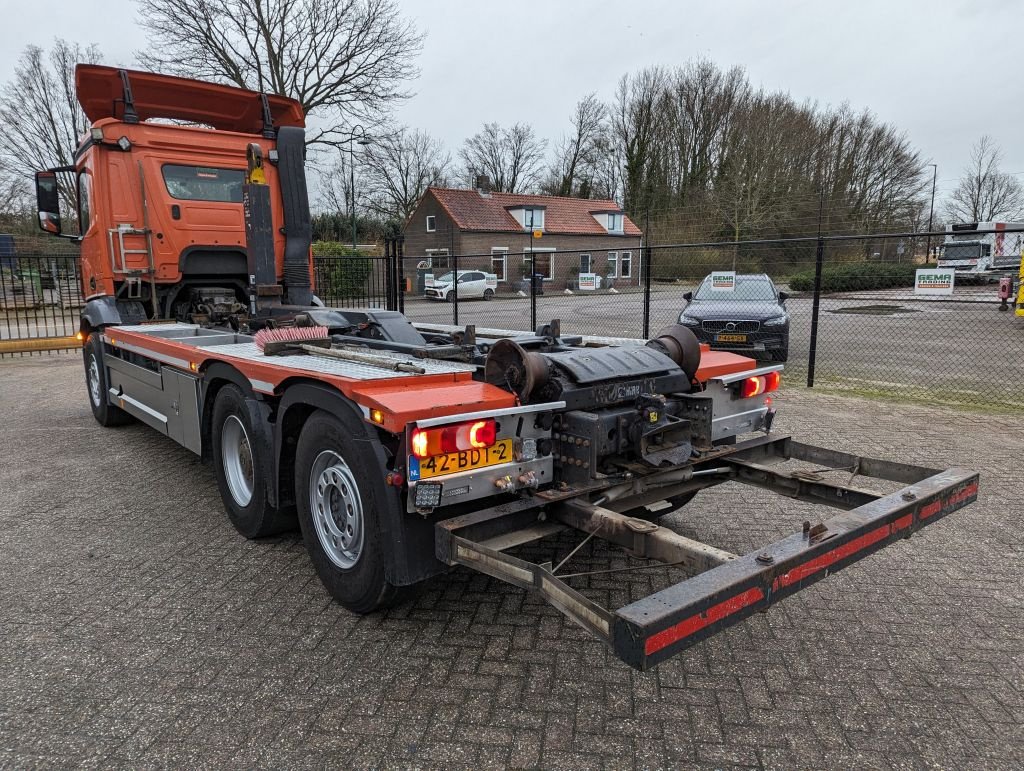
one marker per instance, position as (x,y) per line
(944,72)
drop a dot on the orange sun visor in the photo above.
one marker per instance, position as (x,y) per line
(101,92)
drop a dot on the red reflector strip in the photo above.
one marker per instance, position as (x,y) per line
(811,567)
(698,621)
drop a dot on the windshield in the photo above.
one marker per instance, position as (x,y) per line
(962,251)
(752,289)
(445,279)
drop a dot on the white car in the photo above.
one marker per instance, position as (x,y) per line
(473,285)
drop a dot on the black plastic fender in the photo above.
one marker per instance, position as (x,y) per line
(99,312)
(410,538)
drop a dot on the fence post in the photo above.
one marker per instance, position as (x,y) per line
(390,279)
(400,260)
(533,292)
(455,280)
(647,253)
(812,353)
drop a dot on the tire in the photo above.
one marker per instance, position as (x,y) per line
(488,294)
(238,464)
(450,297)
(96,385)
(340,515)
(677,502)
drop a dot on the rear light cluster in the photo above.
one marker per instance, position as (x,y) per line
(759,384)
(472,435)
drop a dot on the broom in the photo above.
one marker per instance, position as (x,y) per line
(275,342)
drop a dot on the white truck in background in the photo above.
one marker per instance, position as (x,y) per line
(982,247)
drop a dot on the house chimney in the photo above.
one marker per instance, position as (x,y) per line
(483,184)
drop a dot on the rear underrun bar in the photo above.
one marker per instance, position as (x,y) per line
(723,588)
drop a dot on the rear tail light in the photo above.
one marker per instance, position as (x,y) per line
(471,435)
(759,384)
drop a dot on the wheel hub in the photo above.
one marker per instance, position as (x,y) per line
(94,380)
(337,509)
(236,456)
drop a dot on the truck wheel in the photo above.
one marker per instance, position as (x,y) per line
(105,413)
(236,461)
(488,294)
(676,501)
(339,516)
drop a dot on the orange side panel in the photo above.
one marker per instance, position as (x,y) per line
(718,363)
(401,399)
(409,399)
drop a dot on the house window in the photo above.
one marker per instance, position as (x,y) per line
(585,263)
(533,219)
(499,255)
(431,223)
(543,263)
(614,223)
(438,258)
(626,265)
(613,264)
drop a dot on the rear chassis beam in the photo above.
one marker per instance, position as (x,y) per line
(723,588)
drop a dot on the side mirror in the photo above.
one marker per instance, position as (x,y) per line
(688,296)
(48,202)
(783,296)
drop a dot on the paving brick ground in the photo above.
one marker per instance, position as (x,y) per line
(137,629)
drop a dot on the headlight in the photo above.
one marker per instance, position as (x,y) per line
(778,321)
(688,321)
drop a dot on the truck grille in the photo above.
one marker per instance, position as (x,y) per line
(737,326)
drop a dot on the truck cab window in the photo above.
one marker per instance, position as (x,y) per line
(201,183)
(84,201)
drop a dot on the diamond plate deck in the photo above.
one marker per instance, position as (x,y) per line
(329,366)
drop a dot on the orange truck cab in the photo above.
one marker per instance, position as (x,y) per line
(160,204)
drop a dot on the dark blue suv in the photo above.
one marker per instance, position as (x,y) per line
(749,318)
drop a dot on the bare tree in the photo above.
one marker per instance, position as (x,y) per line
(984,193)
(578,156)
(398,168)
(511,157)
(40,111)
(344,60)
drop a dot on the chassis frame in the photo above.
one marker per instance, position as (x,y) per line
(722,588)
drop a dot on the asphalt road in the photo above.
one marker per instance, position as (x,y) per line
(948,352)
(139,630)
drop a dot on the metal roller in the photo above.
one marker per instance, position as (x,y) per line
(513,368)
(679,344)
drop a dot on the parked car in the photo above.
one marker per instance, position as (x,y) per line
(473,285)
(750,318)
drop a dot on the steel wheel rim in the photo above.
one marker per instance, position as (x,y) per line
(93,377)
(337,509)
(236,454)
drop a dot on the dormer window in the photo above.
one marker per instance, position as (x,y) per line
(533,219)
(614,222)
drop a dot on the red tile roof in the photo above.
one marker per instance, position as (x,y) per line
(573,216)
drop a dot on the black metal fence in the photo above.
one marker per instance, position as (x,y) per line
(851,319)
(40,296)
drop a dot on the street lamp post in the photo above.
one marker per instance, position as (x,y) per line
(931,212)
(357,131)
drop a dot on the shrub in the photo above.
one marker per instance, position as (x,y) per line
(856,276)
(341,272)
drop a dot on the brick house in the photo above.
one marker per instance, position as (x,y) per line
(494,232)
